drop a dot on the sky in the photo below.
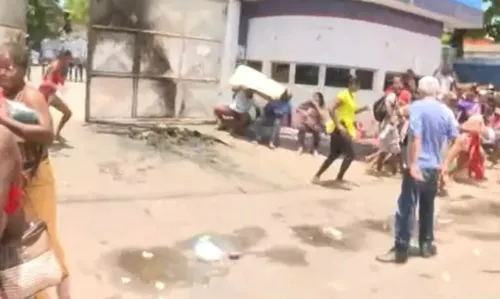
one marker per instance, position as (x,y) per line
(479,4)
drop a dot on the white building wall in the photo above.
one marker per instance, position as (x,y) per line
(343,43)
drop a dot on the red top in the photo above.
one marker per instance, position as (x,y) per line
(55,75)
(15,192)
(404,95)
(476,161)
(13,202)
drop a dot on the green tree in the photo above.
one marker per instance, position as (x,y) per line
(44,19)
(492,19)
(78,10)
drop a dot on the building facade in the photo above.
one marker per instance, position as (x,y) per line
(315,45)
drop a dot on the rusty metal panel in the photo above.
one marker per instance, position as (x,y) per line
(166,16)
(201,60)
(162,57)
(156,98)
(169,49)
(111,97)
(196,99)
(205,19)
(113,52)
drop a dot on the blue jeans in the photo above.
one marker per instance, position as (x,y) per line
(412,193)
(274,123)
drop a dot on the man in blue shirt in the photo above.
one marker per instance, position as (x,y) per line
(431,128)
(274,115)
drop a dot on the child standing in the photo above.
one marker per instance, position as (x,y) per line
(390,148)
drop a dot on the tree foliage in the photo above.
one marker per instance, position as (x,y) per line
(44,19)
(78,10)
(492,19)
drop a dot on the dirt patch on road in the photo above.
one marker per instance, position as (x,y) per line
(174,143)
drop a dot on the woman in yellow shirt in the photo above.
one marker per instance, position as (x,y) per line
(342,130)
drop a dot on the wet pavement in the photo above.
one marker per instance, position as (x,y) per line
(130,213)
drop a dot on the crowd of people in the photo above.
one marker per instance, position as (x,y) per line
(430,130)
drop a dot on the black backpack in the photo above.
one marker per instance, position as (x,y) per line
(380,109)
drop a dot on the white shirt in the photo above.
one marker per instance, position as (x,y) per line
(445,82)
(241,103)
(390,99)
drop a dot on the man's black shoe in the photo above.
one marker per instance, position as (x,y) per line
(428,250)
(395,255)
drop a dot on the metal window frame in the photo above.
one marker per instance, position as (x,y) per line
(318,65)
(272,62)
(343,67)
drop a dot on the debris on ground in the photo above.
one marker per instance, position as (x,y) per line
(333,233)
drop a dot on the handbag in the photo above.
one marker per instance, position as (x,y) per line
(29,265)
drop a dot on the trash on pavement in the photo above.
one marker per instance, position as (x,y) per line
(207,251)
(160,285)
(147,255)
(334,233)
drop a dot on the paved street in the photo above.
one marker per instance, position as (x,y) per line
(120,200)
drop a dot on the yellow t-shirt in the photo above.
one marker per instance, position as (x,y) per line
(346,113)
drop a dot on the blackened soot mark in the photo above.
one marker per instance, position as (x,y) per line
(134,14)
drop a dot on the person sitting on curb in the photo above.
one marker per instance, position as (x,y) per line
(234,117)
(275,114)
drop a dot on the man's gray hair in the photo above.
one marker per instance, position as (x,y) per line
(429,86)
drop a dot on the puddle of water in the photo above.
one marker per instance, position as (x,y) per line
(248,237)
(351,240)
(239,240)
(150,271)
(286,255)
(482,208)
(155,271)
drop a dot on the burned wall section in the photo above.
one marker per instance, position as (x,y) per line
(154,58)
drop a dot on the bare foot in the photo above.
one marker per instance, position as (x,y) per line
(315,180)
(219,124)
(59,138)
(272,146)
